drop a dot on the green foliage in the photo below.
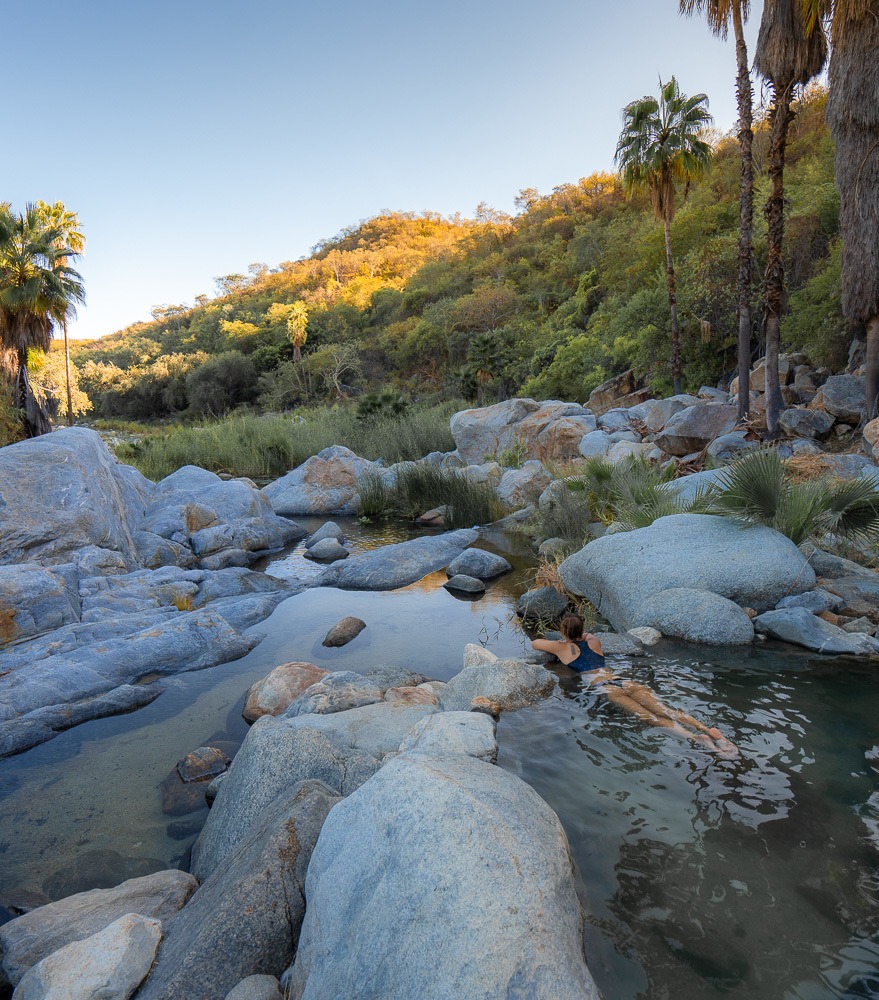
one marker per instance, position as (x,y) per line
(761,489)
(815,324)
(515,456)
(221,384)
(420,487)
(375,497)
(386,403)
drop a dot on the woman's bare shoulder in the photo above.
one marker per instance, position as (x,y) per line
(549,645)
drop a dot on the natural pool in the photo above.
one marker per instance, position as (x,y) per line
(703,877)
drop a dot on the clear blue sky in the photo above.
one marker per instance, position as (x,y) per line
(196,137)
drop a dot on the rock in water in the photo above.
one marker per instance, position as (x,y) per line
(111,963)
(465,584)
(397,565)
(480,563)
(326,483)
(344,631)
(278,690)
(327,550)
(245,918)
(752,566)
(205,762)
(473,874)
(801,627)
(30,938)
(697,616)
(511,684)
(543,604)
(329,529)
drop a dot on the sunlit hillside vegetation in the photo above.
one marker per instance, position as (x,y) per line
(548,302)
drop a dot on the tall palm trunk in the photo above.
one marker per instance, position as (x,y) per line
(746,209)
(871,381)
(67,374)
(673,306)
(780,117)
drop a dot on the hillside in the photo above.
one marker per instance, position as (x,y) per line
(548,302)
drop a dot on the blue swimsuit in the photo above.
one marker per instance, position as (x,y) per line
(588,658)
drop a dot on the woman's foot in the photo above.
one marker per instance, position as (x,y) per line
(724,746)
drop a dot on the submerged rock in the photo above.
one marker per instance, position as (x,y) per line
(397,565)
(327,550)
(205,762)
(480,563)
(801,627)
(245,917)
(344,631)
(473,874)
(111,963)
(510,684)
(274,694)
(751,566)
(30,938)
(542,604)
(465,584)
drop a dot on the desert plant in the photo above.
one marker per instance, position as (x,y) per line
(420,487)
(387,403)
(515,455)
(761,489)
(375,498)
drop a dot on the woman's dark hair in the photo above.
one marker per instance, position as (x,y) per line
(572,627)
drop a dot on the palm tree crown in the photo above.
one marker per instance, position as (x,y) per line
(661,147)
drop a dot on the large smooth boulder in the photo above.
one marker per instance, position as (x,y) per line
(687,488)
(519,487)
(326,483)
(481,563)
(398,565)
(469,733)
(752,566)
(656,413)
(801,627)
(278,690)
(34,600)
(467,892)
(697,616)
(337,692)
(63,491)
(616,392)
(30,938)
(595,444)
(843,396)
(509,684)
(694,428)
(549,430)
(110,964)
(245,918)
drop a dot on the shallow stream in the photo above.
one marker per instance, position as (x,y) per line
(752,878)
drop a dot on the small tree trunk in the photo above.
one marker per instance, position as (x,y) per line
(67,374)
(872,369)
(746,210)
(673,306)
(780,117)
(297,353)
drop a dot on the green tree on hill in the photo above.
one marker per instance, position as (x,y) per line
(661,149)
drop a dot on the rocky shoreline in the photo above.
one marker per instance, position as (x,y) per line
(363,841)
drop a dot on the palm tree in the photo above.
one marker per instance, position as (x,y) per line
(720,14)
(59,216)
(297,327)
(486,359)
(659,150)
(787,55)
(853,116)
(37,288)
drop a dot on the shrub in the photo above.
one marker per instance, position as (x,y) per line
(420,487)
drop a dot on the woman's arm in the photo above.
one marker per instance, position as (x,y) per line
(547,645)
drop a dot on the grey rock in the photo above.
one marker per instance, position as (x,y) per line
(615,420)
(473,874)
(712,394)
(843,396)
(34,600)
(623,451)
(802,628)
(522,486)
(344,631)
(596,443)
(487,472)
(696,427)
(697,616)
(550,548)
(752,566)
(481,563)
(468,733)
(859,625)
(815,601)
(111,963)
(625,436)
(688,487)
(465,584)
(61,492)
(397,565)
(213,789)
(327,550)
(337,692)
(549,430)
(242,612)
(832,567)
(617,644)
(542,604)
(858,593)
(510,684)
(801,446)
(645,635)
(275,756)
(851,466)
(257,988)
(388,676)
(245,918)
(656,413)
(802,423)
(730,446)
(28,939)
(329,529)
(619,391)
(201,763)
(326,483)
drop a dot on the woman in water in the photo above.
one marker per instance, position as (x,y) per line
(581,651)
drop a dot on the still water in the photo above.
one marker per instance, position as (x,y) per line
(702,877)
